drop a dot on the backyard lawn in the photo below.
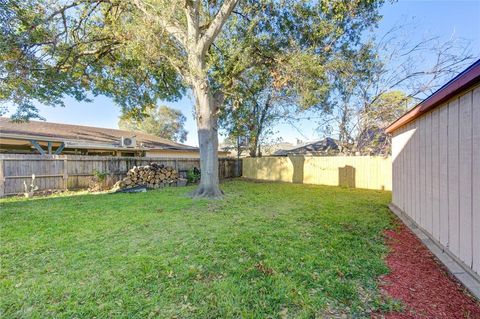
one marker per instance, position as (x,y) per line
(266,251)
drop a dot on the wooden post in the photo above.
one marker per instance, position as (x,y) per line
(60,149)
(65,174)
(2,179)
(38,147)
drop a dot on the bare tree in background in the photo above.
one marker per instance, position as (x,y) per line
(393,75)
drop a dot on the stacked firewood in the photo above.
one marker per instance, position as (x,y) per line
(150,176)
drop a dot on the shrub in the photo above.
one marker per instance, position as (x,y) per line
(193,175)
(97,181)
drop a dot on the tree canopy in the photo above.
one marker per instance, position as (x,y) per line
(161,121)
(268,78)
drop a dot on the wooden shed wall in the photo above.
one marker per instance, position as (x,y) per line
(436,174)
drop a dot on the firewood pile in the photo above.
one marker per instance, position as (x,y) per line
(151,176)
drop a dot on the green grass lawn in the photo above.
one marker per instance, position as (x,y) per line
(266,251)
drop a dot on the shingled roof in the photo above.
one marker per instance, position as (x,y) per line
(313,148)
(80,134)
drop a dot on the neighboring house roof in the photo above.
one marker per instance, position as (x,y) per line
(84,136)
(318,147)
(273,148)
(266,150)
(466,79)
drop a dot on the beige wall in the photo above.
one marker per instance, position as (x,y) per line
(368,172)
(436,174)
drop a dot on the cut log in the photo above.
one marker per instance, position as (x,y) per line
(152,175)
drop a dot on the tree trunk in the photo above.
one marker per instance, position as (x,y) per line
(206,112)
(253,147)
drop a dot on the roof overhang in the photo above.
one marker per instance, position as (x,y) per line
(68,143)
(85,144)
(463,81)
(99,146)
(29,137)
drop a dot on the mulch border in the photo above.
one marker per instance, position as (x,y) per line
(421,282)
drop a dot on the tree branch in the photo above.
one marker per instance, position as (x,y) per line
(216,25)
(193,20)
(170,28)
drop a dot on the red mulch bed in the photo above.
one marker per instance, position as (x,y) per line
(421,283)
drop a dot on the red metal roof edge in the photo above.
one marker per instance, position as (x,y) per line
(467,78)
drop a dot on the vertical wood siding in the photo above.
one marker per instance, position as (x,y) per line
(476,180)
(436,174)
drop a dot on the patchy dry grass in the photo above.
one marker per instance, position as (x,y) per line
(266,250)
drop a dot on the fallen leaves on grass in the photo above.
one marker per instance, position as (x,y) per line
(264,269)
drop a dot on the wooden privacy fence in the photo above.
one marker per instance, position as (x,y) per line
(370,172)
(62,172)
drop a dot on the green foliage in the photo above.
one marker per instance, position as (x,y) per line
(50,49)
(253,109)
(385,109)
(160,121)
(286,62)
(266,250)
(100,176)
(97,182)
(193,176)
(375,117)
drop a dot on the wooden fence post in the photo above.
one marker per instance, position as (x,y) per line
(2,179)
(65,174)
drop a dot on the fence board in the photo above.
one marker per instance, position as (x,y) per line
(2,179)
(62,172)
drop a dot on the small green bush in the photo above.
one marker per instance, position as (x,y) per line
(193,175)
(101,176)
